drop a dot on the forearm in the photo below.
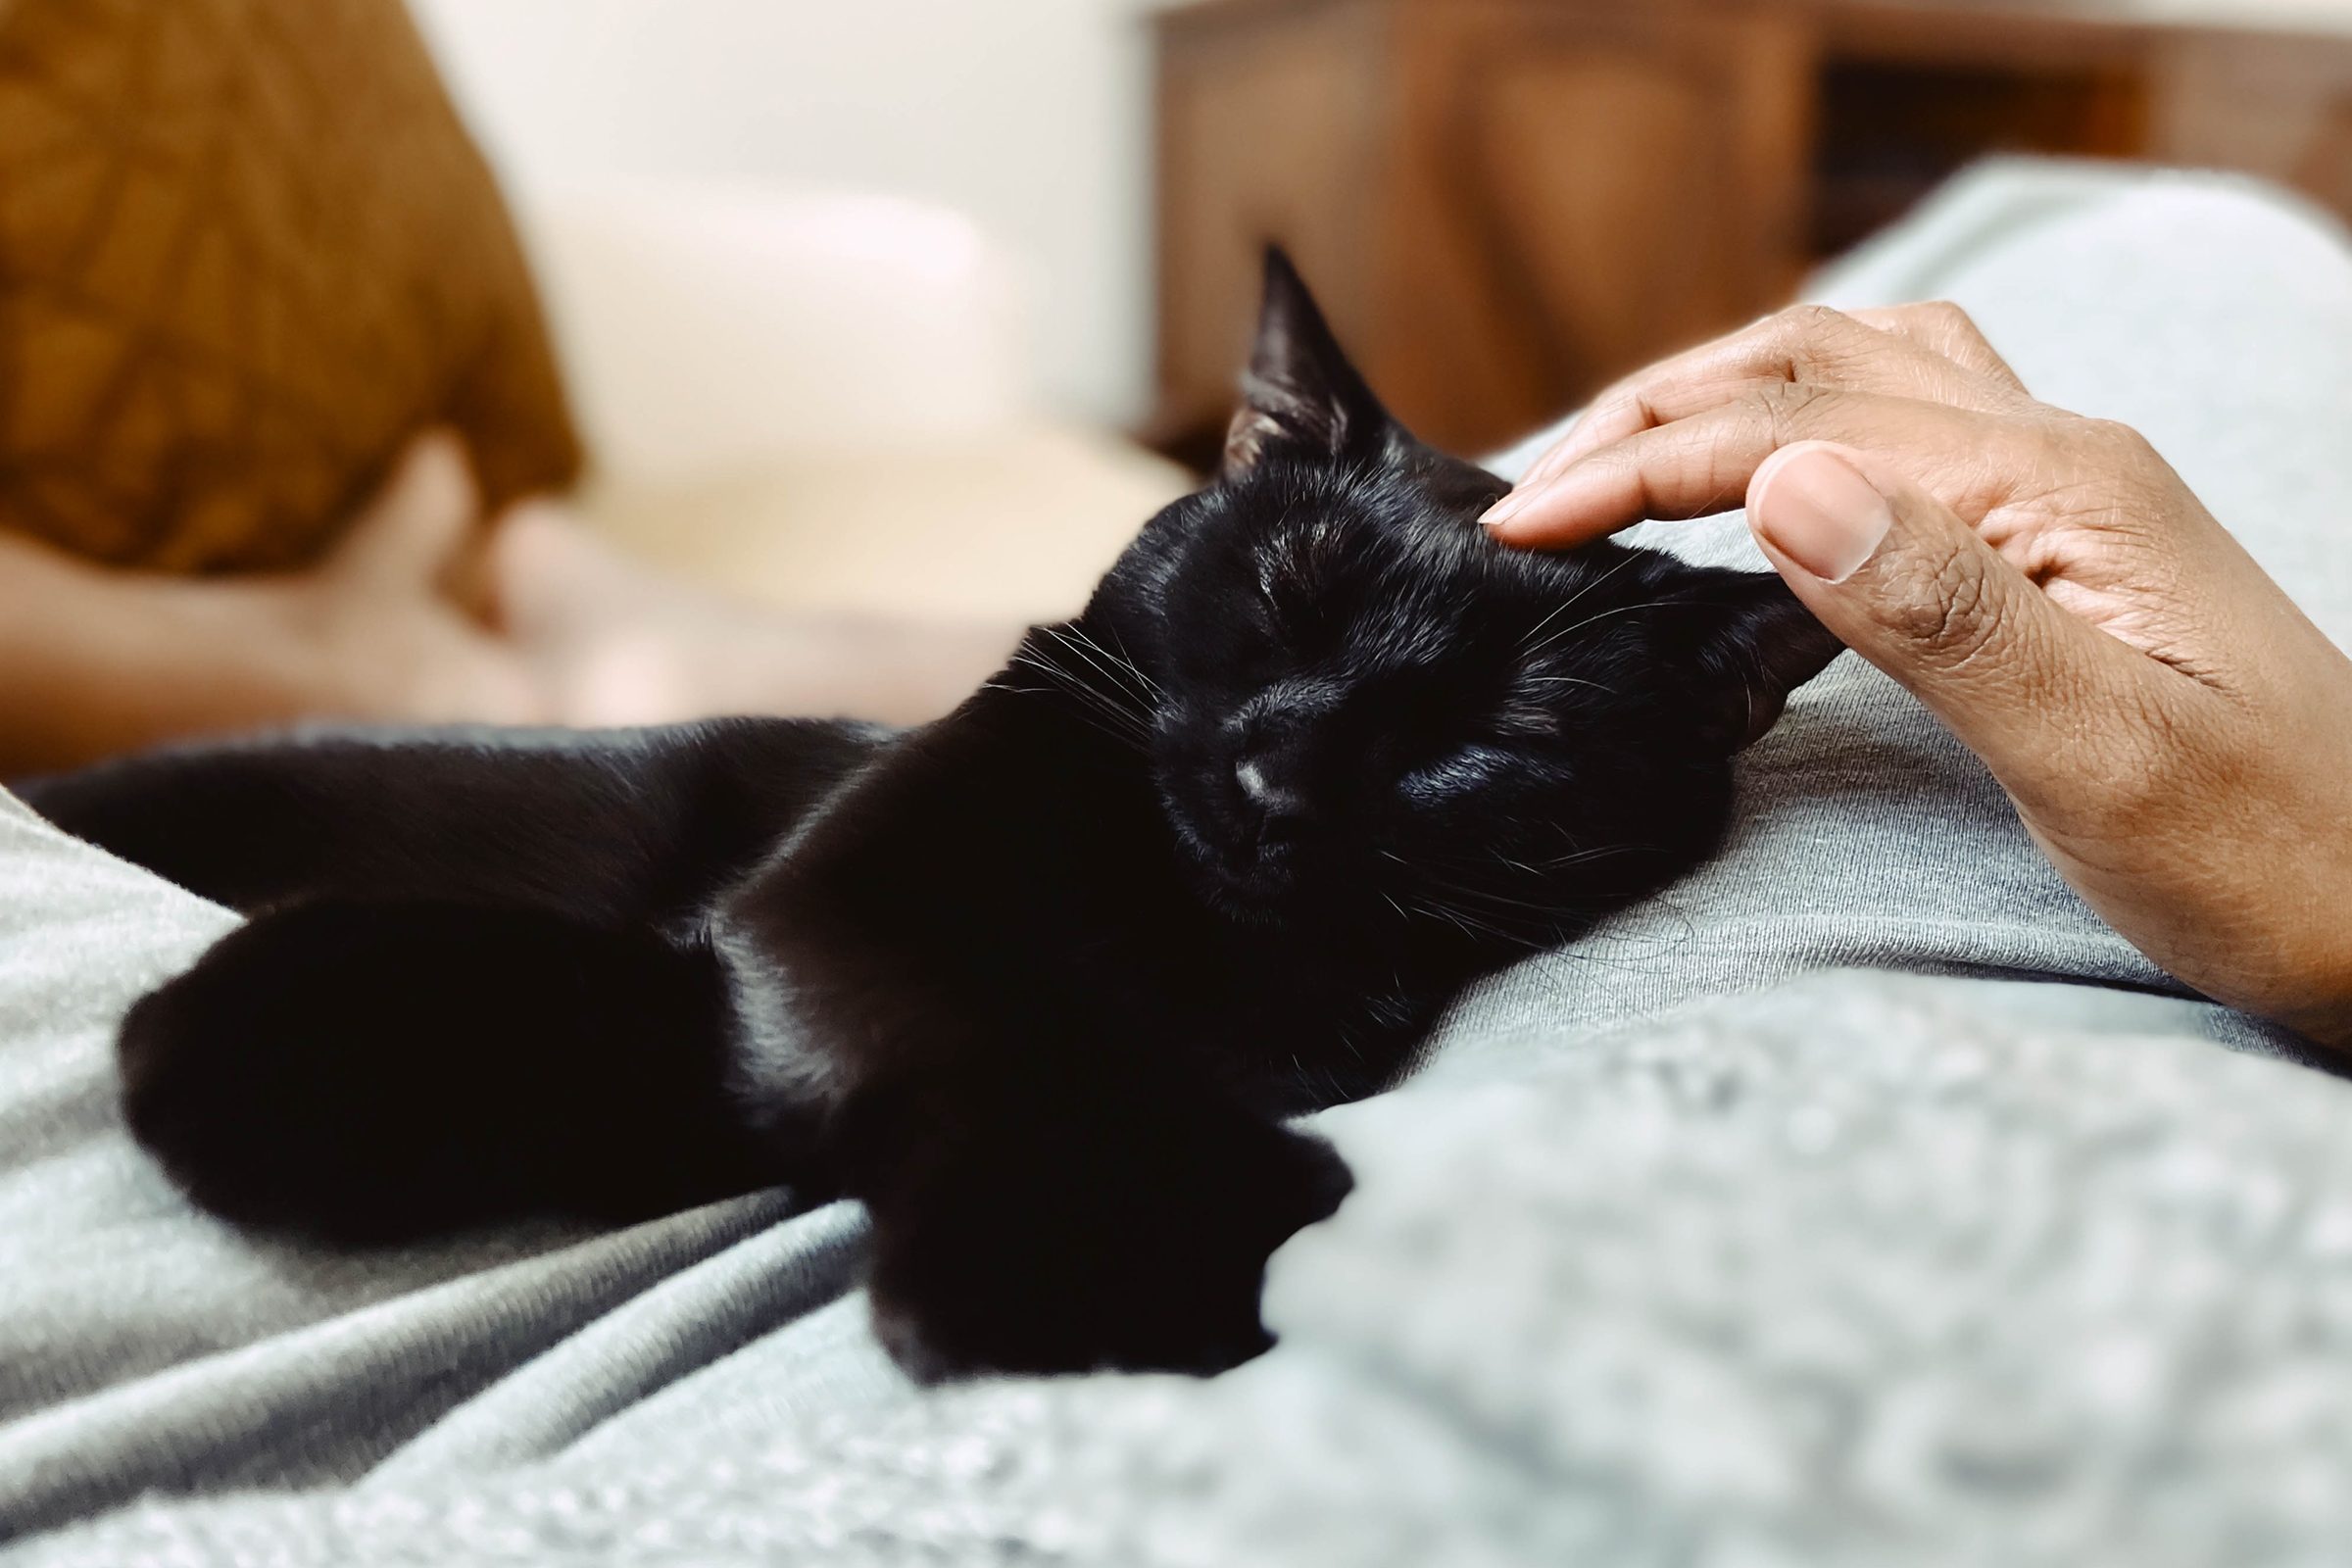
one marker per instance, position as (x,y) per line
(94,661)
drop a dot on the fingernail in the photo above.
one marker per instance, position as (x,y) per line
(1816,508)
(1509,507)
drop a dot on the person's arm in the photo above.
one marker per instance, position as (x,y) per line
(93,663)
(2175,733)
(96,661)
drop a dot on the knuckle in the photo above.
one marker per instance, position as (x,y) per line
(1952,318)
(1787,410)
(1796,330)
(1947,607)
(2117,441)
(1956,335)
(2111,432)
(1810,318)
(2116,463)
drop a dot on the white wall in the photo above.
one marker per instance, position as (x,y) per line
(1029,115)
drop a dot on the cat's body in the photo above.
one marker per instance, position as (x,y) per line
(1036,982)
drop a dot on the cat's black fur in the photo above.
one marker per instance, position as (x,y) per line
(1036,982)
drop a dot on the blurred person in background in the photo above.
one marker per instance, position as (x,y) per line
(407,620)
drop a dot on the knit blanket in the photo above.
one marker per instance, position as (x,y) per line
(1864,1271)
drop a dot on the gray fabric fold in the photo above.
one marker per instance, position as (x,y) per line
(1868,1269)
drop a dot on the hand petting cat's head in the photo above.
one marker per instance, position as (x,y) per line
(1363,709)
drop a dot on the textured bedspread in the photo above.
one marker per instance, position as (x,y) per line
(1865,1272)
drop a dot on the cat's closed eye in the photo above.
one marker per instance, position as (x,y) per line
(1527,721)
(1303,622)
(1460,771)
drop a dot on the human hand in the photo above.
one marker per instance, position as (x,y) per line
(96,661)
(2173,732)
(383,616)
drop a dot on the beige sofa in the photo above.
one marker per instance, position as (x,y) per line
(823,399)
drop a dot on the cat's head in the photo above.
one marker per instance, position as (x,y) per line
(1363,708)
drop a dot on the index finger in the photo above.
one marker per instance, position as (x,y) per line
(1700,466)
(1927,351)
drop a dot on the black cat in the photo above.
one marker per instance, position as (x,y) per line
(1036,982)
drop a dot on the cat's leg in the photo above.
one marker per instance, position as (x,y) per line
(995,974)
(369,1072)
(1063,1212)
(604,825)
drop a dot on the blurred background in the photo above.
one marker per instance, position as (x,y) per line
(1014,245)
(856,299)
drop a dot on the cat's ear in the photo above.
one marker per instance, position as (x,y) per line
(1762,645)
(1300,393)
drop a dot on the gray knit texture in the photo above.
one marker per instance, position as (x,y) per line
(1859,1272)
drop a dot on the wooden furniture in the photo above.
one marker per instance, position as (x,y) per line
(1504,203)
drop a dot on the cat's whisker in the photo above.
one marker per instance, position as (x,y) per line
(1451,917)
(1119,690)
(1465,899)
(1120,672)
(1572,600)
(1120,713)
(1500,901)
(1076,680)
(1602,852)
(1118,719)
(1131,659)
(1121,661)
(1100,728)
(1535,923)
(1621,610)
(1494,931)
(1121,702)
(1109,722)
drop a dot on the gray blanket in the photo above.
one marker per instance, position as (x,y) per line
(1864,1271)
(1728,1237)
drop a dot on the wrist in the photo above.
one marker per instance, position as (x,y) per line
(280,643)
(2295,970)
(2316,999)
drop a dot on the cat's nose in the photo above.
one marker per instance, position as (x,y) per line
(1277,802)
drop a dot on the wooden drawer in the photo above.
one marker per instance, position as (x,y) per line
(1505,203)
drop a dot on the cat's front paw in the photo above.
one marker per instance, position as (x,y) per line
(381,1072)
(266,1086)
(1140,1249)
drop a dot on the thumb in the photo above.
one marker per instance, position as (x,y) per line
(416,527)
(1900,579)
